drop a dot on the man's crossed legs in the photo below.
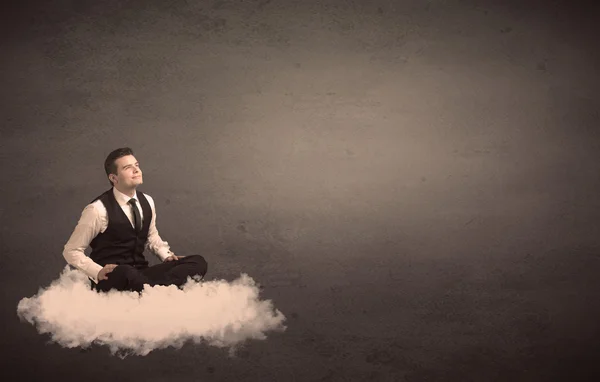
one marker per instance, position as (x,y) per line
(176,272)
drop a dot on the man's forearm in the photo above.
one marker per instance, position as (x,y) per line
(79,260)
(159,247)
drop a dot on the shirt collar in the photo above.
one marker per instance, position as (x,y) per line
(123,199)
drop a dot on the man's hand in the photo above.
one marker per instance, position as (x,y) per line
(103,274)
(172,257)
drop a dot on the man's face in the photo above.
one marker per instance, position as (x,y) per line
(129,172)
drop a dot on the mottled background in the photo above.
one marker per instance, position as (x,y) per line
(415,184)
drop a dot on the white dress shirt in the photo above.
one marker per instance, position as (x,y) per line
(94,219)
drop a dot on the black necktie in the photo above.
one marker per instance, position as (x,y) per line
(137,219)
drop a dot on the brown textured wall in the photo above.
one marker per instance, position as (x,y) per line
(415,183)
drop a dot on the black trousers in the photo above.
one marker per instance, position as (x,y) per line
(175,272)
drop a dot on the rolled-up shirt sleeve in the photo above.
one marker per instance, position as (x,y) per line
(155,243)
(87,229)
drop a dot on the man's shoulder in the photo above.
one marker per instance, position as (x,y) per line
(96,206)
(94,210)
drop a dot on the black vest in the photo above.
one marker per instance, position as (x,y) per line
(119,243)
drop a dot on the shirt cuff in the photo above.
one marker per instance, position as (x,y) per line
(164,254)
(92,272)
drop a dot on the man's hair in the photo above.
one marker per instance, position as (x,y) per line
(109,164)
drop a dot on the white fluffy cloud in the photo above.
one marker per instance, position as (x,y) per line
(219,313)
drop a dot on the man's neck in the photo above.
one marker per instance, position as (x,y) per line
(130,192)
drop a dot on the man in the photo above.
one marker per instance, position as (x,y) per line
(119,225)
